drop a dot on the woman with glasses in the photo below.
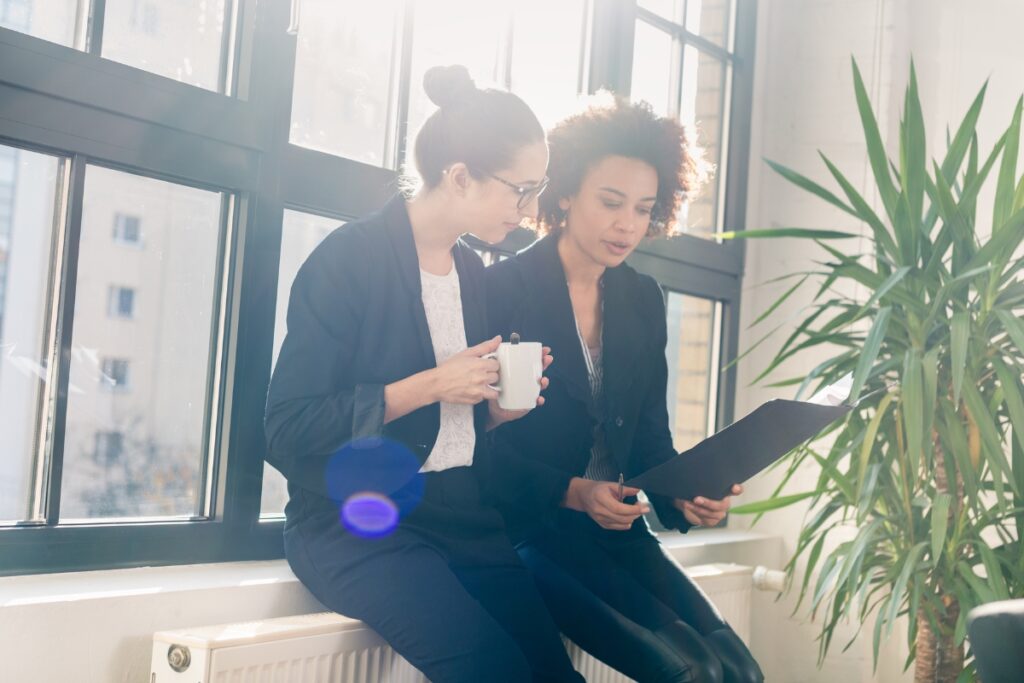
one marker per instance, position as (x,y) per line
(381,395)
(618,173)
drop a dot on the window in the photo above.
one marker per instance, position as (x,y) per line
(301,233)
(126,228)
(120,302)
(154,379)
(31,186)
(165,167)
(114,373)
(683,65)
(109,448)
(361,110)
(184,41)
(58,21)
(692,353)
(346,64)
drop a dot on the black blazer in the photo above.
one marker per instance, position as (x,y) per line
(356,323)
(532,459)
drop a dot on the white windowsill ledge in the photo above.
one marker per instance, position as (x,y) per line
(697,547)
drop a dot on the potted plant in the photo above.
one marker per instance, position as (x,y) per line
(928,469)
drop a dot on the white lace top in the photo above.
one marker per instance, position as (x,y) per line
(442,301)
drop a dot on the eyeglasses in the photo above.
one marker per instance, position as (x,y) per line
(527,193)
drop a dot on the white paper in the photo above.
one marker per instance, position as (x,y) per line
(834,394)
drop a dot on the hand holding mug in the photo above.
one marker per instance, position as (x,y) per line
(469,376)
(498,415)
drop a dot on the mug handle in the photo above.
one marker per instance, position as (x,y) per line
(493,355)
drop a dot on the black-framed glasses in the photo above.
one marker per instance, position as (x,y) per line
(527,193)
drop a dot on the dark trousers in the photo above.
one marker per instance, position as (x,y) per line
(620,597)
(445,589)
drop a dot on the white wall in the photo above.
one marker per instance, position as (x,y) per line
(804,102)
(97,627)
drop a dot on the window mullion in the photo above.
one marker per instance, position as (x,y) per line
(404,83)
(51,466)
(94,30)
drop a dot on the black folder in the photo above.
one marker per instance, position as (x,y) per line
(739,451)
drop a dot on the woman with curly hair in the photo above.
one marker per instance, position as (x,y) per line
(618,173)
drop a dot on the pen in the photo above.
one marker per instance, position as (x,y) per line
(620,486)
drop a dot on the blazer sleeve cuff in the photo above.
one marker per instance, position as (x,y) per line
(368,411)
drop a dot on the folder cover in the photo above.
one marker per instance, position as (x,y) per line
(739,451)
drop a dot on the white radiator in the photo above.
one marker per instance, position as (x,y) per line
(330,648)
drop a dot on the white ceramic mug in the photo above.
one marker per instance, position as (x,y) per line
(522,364)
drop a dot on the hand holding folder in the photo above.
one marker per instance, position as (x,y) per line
(744,448)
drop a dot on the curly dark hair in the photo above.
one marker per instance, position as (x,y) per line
(619,128)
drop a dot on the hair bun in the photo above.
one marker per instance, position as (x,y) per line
(447,85)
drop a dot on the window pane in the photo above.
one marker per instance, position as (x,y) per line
(704,92)
(547,42)
(652,68)
(58,21)
(300,234)
(342,100)
(137,401)
(179,39)
(711,19)
(670,9)
(692,367)
(467,32)
(30,187)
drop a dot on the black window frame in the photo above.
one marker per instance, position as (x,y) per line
(88,110)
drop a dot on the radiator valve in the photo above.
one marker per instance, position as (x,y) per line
(178,657)
(769,579)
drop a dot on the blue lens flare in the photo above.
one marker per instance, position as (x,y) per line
(375,483)
(369,515)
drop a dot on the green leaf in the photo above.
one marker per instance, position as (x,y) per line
(958,146)
(876,150)
(1013,326)
(778,302)
(913,408)
(983,592)
(1004,200)
(959,329)
(1002,244)
(863,210)
(954,438)
(914,166)
(900,587)
(841,480)
(809,185)
(940,521)
(992,448)
(995,573)
(1012,397)
(772,233)
(772,503)
(884,288)
(869,438)
(871,347)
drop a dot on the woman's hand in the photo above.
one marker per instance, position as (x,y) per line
(600,500)
(704,512)
(498,416)
(466,377)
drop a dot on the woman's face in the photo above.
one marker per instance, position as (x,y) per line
(611,213)
(492,208)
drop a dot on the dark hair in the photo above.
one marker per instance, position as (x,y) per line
(619,128)
(483,128)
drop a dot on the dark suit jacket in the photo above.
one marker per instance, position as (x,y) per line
(532,459)
(356,323)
